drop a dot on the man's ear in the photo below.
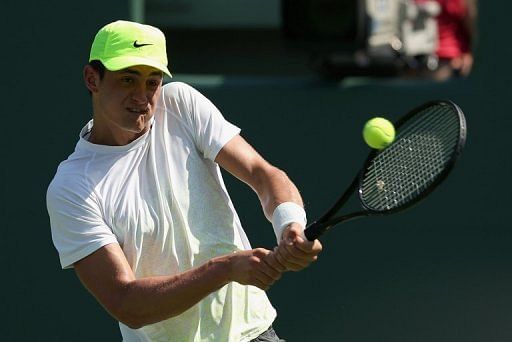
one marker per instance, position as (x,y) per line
(91,78)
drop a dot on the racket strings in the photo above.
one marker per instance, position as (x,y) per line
(423,148)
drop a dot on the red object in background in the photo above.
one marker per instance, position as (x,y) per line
(454,35)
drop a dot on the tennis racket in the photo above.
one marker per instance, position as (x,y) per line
(429,140)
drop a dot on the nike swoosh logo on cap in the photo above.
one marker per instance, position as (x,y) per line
(137,45)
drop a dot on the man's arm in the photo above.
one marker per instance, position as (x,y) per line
(138,302)
(273,187)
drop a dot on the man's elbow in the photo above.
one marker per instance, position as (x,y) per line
(133,324)
(266,175)
(136,318)
(132,320)
(123,310)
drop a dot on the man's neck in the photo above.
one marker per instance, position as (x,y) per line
(110,138)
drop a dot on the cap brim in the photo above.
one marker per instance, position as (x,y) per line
(123,62)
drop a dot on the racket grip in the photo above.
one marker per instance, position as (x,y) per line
(314,230)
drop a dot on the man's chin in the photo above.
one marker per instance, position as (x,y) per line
(139,130)
(142,125)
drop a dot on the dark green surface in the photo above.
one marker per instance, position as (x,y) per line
(439,272)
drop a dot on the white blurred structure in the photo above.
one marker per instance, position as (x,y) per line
(401,28)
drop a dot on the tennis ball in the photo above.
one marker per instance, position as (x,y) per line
(378,133)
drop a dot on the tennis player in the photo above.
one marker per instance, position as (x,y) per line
(140,210)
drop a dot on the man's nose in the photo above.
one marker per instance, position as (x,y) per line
(140,95)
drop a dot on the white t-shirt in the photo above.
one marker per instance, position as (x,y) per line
(163,200)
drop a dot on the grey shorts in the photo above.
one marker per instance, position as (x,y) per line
(268,336)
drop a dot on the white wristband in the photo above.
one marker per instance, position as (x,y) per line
(286,213)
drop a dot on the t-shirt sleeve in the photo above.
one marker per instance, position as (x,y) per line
(76,223)
(210,130)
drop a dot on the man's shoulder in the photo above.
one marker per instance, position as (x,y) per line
(177,86)
(178,91)
(71,174)
(179,100)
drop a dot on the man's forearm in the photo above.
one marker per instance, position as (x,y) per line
(138,302)
(274,187)
(153,299)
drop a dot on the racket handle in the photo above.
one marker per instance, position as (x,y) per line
(314,230)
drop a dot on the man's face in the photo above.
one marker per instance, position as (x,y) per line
(125,100)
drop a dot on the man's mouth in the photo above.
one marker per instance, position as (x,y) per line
(140,111)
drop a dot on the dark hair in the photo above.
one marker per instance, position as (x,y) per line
(99,67)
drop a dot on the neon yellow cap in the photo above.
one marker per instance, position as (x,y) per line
(123,44)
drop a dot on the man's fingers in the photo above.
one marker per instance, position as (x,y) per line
(303,253)
(308,247)
(263,278)
(272,268)
(272,261)
(285,258)
(250,268)
(295,235)
(293,248)
(263,269)
(267,273)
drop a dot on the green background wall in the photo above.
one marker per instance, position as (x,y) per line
(439,272)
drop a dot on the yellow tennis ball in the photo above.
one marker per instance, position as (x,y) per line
(378,133)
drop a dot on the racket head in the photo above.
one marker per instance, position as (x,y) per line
(429,141)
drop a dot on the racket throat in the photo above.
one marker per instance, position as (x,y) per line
(317,228)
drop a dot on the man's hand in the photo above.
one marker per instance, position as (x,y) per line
(294,252)
(251,268)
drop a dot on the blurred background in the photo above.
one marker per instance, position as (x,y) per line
(300,77)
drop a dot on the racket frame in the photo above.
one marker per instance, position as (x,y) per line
(326,221)
(440,177)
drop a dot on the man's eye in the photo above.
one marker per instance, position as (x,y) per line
(153,83)
(127,80)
